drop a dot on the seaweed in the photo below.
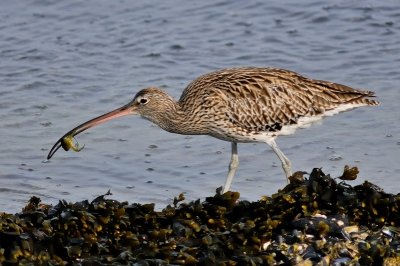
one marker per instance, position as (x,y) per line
(311,221)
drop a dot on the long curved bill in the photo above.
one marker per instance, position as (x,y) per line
(66,140)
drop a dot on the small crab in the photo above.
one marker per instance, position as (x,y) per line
(67,143)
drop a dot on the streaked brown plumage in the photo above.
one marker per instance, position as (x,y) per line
(244,104)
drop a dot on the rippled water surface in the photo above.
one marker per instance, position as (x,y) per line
(65,62)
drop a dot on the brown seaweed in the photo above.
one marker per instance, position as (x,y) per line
(312,221)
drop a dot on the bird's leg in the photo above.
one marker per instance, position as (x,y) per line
(286,164)
(232,167)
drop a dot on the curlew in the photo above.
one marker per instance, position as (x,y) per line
(244,104)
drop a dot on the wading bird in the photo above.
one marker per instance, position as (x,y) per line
(244,104)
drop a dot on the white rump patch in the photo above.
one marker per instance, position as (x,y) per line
(307,121)
(303,122)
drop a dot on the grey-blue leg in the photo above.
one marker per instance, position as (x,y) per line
(232,167)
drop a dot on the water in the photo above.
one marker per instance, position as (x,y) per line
(65,62)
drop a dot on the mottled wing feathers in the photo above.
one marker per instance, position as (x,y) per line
(346,95)
(258,107)
(265,99)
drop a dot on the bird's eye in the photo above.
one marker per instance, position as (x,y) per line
(143,100)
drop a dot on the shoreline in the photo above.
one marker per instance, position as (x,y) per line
(315,220)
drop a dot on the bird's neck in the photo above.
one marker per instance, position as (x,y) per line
(173,118)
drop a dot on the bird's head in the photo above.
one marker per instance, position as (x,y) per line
(151,103)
